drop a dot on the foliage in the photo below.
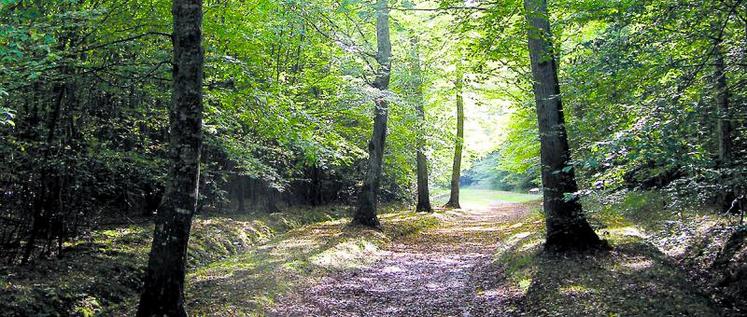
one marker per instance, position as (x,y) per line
(84,98)
(639,85)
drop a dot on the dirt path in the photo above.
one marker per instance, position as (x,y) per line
(429,274)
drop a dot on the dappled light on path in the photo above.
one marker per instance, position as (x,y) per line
(428,274)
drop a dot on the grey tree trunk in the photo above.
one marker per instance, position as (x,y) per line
(424,199)
(567,228)
(365,214)
(163,293)
(456,169)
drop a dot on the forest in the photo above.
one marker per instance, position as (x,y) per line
(373,158)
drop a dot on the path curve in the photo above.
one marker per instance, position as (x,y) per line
(433,273)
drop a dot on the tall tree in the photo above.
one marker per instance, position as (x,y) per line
(365,214)
(456,170)
(722,102)
(723,121)
(424,200)
(163,293)
(566,225)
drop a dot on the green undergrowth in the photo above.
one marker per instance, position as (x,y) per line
(249,284)
(636,278)
(101,274)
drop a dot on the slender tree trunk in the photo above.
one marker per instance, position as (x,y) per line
(722,102)
(163,293)
(723,122)
(567,228)
(424,199)
(365,214)
(456,169)
(46,203)
(241,192)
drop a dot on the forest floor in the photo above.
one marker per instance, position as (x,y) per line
(433,273)
(486,260)
(483,260)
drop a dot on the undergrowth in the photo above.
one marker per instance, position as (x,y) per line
(636,278)
(249,284)
(102,273)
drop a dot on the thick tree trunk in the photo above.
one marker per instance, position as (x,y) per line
(365,214)
(424,199)
(456,169)
(567,228)
(163,293)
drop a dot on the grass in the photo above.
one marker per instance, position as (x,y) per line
(483,198)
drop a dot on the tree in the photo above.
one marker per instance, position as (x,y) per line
(456,170)
(723,121)
(566,225)
(163,293)
(424,200)
(365,214)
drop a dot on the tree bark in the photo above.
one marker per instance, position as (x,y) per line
(456,169)
(365,214)
(424,199)
(241,192)
(163,293)
(567,227)
(723,121)
(722,102)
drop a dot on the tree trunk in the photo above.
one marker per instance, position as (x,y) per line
(722,102)
(424,199)
(46,203)
(163,293)
(365,214)
(723,122)
(456,169)
(567,228)
(240,193)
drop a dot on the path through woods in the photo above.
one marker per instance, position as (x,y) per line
(434,273)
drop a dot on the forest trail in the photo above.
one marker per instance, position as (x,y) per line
(434,273)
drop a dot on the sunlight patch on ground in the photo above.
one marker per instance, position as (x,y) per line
(639,264)
(574,290)
(350,254)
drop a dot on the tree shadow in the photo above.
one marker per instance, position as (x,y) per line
(634,279)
